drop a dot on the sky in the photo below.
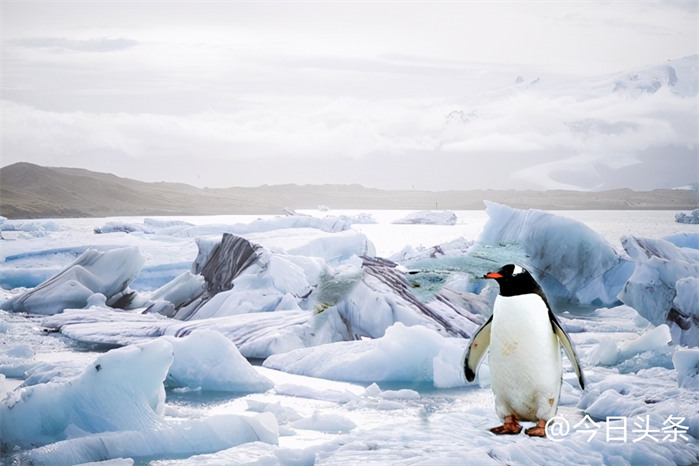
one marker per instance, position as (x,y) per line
(455,95)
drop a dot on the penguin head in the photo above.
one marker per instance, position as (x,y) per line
(514,280)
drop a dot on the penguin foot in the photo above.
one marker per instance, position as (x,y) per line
(510,427)
(539,430)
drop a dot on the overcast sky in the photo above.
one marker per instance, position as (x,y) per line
(424,95)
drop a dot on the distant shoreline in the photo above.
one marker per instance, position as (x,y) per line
(29,191)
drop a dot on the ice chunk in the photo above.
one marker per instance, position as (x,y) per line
(206,359)
(170,440)
(692,217)
(403,354)
(428,217)
(257,335)
(108,273)
(654,339)
(609,353)
(183,289)
(448,365)
(360,219)
(686,361)
(606,353)
(32,228)
(16,359)
(338,247)
(663,287)
(568,259)
(122,390)
(329,423)
(121,227)
(114,408)
(684,240)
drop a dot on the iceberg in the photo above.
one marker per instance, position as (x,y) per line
(664,287)
(568,259)
(105,272)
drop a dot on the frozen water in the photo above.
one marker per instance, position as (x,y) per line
(397,330)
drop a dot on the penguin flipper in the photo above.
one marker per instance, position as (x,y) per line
(568,347)
(476,350)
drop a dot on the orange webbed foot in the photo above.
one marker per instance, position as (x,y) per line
(510,427)
(539,430)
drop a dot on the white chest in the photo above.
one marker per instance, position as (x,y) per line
(520,320)
(525,360)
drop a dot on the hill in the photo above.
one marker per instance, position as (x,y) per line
(32,191)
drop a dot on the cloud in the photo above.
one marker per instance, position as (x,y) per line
(99,45)
(554,133)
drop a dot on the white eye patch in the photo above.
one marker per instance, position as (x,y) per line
(517,270)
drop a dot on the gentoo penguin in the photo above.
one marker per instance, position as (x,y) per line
(525,359)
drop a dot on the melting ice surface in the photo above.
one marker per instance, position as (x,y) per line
(329,339)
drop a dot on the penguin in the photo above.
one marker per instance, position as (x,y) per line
(525,359)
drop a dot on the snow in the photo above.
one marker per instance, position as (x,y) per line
(313,351)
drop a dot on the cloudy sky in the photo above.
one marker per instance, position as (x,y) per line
(411,95)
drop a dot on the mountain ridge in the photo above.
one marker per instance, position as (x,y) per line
(33,191)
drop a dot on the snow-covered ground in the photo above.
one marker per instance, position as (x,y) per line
(246,340)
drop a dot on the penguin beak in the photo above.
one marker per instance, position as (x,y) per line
(492,275)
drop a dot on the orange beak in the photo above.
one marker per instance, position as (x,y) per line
(493,275)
